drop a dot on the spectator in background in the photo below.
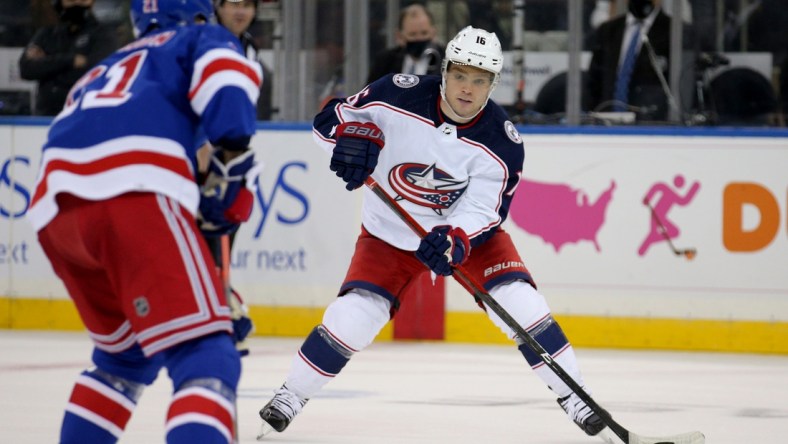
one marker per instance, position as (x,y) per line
(417,52)
(58,55)
(622,76)
(237,16)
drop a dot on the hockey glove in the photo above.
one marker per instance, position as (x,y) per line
(356,152)
(228,193)
(444,247)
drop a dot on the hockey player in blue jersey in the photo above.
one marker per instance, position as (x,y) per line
(114,207)
(453,160)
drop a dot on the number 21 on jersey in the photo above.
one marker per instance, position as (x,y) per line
(119,79)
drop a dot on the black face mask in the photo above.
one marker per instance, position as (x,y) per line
(641,8)
(416,47)
(76,15)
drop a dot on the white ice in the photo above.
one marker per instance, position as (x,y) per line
(429,392)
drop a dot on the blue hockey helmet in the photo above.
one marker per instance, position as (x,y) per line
(151,14)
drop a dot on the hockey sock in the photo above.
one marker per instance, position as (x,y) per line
(350,324)
(203,411)
(550,336)
(205,374)
(320,358)
(99,408)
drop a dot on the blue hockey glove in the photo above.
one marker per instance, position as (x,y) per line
(227,196)
(241,328)
(242,324)
(356,152)
(444,247)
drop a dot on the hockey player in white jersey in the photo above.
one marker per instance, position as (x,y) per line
(453,160)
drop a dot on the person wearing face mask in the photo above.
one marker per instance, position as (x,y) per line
(417,53)
(623,75)
(60,54)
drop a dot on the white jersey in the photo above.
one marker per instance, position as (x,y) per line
(442,173)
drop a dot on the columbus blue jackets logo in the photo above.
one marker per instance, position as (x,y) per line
(405,80)
(426,185)
(511,131)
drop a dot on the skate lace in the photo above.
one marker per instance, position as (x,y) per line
(576,409)
(287,402)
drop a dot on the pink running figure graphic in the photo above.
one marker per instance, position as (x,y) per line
(661,227)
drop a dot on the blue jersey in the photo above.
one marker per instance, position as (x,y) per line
(442,173)
(129,123)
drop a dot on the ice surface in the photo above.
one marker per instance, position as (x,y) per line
(430,392)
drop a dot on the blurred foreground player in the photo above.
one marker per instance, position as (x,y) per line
(454,160)
(115,206)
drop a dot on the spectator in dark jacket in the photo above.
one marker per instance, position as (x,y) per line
(59,55)
(417,52)
(618,39)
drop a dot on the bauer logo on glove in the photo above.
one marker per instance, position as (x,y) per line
(355,155)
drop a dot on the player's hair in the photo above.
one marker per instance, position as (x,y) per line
(218,4)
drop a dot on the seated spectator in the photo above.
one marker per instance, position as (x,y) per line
(417,52)
(60,54)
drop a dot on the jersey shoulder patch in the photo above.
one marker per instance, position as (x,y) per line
(512,132)
(405,80)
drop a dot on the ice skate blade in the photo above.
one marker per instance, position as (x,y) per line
(265,429)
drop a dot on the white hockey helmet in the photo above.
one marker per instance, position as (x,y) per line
(474,47)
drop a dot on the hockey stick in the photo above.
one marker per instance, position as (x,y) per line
(688,253)
(224,243)
(475,289)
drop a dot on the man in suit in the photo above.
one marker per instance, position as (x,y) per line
(622,76)
(417,53)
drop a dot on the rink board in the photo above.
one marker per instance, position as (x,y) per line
(607,290)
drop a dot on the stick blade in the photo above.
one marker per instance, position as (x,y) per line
(609,437)
(684,438)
